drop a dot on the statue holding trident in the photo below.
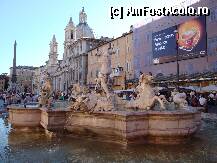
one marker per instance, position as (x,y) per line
(46,93)
(103,81)
(102,99)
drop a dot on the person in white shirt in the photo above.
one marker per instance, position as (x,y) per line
(202,101)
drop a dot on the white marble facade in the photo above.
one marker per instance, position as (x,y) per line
(72,68)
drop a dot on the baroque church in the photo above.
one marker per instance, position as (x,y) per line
(79,39)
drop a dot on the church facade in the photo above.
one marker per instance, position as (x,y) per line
(79,39)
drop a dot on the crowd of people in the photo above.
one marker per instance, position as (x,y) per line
(206,100)
(22,98)
(194,99)
(18,98)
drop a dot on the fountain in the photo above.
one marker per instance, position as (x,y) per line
(148,119)
(102,115)
(105,116)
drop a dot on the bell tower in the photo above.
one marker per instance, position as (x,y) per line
(70,31)
(53,55)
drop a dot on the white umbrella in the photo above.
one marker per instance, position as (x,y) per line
(209,88)
(194,88)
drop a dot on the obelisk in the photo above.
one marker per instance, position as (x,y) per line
(14,73)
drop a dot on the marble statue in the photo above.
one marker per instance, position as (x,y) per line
(146,98)
(46,93)
(179,99)
(102,98)
(102,83)
(79,98)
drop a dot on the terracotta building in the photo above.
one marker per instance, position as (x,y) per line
(24,77)
(3,80)
(121,60)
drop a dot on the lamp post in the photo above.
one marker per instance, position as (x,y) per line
(67,81)
(177,60)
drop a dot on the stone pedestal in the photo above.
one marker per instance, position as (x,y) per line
(53,120)
(153,127)
(24,117)
(125,127)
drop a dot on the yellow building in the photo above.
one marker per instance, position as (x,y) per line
(121,60)
(2,83)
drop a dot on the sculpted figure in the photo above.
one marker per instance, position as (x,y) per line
(179,99)
(78,98)
(146,98)
(102,85)
(102,98)
(46,94)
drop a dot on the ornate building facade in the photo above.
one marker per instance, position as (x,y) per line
(79,39)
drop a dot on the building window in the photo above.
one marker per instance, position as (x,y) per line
(212,46)
(80,63)
(213,15)
(128,49)
(117,51)
(73,75)
(128,66)
(77,49)
(81,46)
(80,76)
(72,37)
(97,73)
(148,59)
(148,37)
(91,75)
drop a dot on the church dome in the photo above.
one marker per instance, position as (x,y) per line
(83,29)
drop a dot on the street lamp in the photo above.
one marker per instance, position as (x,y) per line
(177,59)
(67,80)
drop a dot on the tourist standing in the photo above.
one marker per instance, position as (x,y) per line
(193,99)
(25,102)
(202,101)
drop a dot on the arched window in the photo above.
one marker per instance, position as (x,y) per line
(72,36)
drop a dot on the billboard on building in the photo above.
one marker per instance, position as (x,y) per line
(192,38)
(187,40)
(164,45)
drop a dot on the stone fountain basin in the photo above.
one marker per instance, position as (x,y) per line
(155,127)
(126,127)
(19,116)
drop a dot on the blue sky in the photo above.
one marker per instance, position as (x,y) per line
(33,22)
